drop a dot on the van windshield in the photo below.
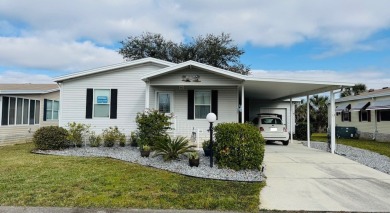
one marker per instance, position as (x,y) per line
(271,121)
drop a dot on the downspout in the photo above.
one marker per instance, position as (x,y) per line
(60,105)
(147,94)
(242,103)
(308,120)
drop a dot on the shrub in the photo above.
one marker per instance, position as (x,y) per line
(193,155)
(206,144)
(152,127)
(301,131)
(145,148)
(171,149)
(122,140)
(133,139)
(238,146)
(95,140)
(111,135)
(50,137)
(76,132)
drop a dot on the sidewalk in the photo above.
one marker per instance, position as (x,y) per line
(300,178)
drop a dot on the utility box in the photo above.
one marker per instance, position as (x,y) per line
(346,132)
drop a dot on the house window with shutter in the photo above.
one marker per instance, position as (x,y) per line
(101,103)
(346,116)
(365,115)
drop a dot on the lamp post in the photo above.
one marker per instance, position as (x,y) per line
(211,118)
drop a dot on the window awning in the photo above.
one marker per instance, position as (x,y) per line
(377,105)
(343,107)
(360,106)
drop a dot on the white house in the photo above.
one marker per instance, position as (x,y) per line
(113,95)
(369,112)
(26,107)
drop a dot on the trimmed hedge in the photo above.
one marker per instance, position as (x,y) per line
(301,131)
(238,146)
(50,137)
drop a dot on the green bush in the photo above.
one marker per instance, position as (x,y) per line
(152,126)
(171,149)
(94,140)
(50,137)
(301,131)
(111,136)
(76,132)
(134,139)
(238,146)
(122,140)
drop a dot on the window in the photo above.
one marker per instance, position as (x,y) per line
(271,121)
(52,108)
(164,101)
(384,115)
(365,115)
(202,104)
(101,102)
(18,111)
(345,115)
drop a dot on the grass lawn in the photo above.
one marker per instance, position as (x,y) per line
(28,179)
(378,147)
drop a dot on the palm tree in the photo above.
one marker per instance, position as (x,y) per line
(355,90)
(318,112)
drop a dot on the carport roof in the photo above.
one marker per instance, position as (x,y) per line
(281,89)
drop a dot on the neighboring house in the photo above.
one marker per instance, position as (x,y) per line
(26,107)
(369,112)
(113,95)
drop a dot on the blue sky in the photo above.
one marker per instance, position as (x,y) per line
(330,40)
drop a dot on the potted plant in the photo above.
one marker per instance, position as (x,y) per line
(193,159)
(145,151)
(206,148)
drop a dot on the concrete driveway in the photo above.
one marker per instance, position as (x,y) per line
(300,178)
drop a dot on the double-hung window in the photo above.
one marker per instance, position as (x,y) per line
(52,108)
(164,101)
(101,103)
(202,104)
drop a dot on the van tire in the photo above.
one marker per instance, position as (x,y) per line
(285,143)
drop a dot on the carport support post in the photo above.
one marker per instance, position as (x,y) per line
(332,123)
(308,120)
(242,103)
(291,121)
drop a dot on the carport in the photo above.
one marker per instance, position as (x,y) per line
(270,89)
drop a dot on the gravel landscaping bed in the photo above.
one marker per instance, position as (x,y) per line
(365,157)
(181,166)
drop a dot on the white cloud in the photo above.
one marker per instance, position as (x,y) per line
(42,53)
(371,78)
(16,77)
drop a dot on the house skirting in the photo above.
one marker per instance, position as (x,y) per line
(380,137)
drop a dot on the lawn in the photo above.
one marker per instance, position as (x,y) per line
(28,179)
(378,147)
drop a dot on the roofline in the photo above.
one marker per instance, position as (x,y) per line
(195,64)
(19,92)
(361,97)
(111,67)
(299,81)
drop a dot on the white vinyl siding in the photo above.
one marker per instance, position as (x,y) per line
(131,97)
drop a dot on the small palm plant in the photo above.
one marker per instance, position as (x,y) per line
(171,149)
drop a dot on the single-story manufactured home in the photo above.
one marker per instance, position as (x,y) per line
(113,95)
(369,112)
(26,107)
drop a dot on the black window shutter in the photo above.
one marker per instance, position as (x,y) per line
(190,110)
(378,116)
(114,103)
(89,103)
(44,109)
(369,115)
(360,116)
(214,102)
(342,116)
(4,113)
(350,119)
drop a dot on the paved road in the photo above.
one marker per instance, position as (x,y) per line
(300,178)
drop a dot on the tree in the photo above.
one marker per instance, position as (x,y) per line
(355,90)
(318,109)
(215,50)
